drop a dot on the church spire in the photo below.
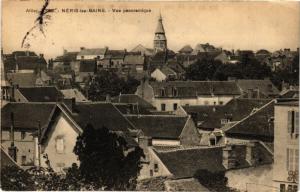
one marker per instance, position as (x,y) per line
(160,40)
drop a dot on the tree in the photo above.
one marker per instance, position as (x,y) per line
(16,179)
(109,83)
(104,162)
(202,70)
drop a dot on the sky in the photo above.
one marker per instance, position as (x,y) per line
(230,25)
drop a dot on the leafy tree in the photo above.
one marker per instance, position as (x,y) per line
(15,179)
(202,70)
(103,159)
(109,83)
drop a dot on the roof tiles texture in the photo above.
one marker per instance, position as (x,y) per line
(41,94)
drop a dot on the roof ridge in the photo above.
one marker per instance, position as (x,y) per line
(154,115)
(189,148)
(251,114)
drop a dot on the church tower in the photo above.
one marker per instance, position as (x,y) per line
(160,40)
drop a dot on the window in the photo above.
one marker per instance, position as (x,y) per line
(224,121)
(174,91)
(23,135)
(60,145)
(293,123)
(162,92)
(82,57)
(175,106)
(215,103)
(23,160)
(282,187)
(292,158)
(163,107)
(151,173)
(220,102)
(155,167)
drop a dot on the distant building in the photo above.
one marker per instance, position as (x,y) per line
(160,39)
(186,50)
(167,96)
(97,53)
(257,88)
(73,93)
(204,48)
(164,73)
(286,145)
(143,50)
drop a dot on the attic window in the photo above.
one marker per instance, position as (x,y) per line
(174,92)
(162,92)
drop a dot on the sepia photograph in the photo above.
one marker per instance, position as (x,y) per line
(150,95)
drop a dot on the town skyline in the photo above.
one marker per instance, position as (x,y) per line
(253,29)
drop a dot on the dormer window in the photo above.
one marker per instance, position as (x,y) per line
(162,92)
(174,92)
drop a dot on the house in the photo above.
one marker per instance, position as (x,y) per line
(23,61)
(186,50)
(69,120)
(204,48)
(113,59)
(224,57)
(91,54)
(133,99)
(167,96)
(20,121)
(135,62)
(177,68)
(258,125)
(178,165)
(73,93)
(166,130)
(164,73)
(160,58)
(22,79)
(63,63)
(143,50)
(257,88)
(286,145)
(37,94)
(6,160)
(289,94)
(211,119)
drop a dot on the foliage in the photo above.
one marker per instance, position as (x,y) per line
(214,181)
(109,83)
(152,184)
(202,70)
(15,179)
(103,161)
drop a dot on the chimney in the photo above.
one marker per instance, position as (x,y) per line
(12,150)
(108,99)
(228,159)
(250,154)
(41,55)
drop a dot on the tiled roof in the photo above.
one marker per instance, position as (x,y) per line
(26,115)
(265,86)
(23,53)
(134,59)
(88,66)
(22,79)
(188,89)
(41,94)
(96,51)
(133,99)
(257,124)
(184,163)
(236,110)
(25,62)
(6,160)
(115,54)
(159,126)
(99,115)
(67,57)
(74,93)
(290,94)
(190,184)
(126,108)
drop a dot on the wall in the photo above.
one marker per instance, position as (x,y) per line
(87,57)
(165,142)
(61,128)
(19,97)
(190,135)
(145,91)
(282,141)
(252,179)
(147,167)
(158,75)
(25,147)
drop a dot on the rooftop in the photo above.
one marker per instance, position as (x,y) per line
(41,94)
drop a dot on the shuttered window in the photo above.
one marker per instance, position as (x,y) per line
(292,159)
(296,122)
(290,121)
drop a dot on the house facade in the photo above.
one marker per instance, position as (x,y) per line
(169,95)
(286,146)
